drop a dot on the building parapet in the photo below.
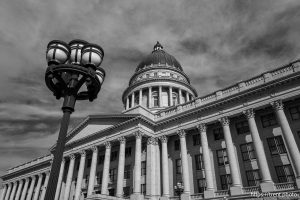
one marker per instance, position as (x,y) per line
(286,70)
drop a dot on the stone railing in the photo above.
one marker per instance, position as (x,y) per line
(248,190)
(219,193)
(29,164)
(278,73)
(285,186)
(197,196)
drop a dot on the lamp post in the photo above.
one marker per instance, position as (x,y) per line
(179,189)
(73,73)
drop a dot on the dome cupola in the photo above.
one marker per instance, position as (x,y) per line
(158,82)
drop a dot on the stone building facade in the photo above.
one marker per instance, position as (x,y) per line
(232,143)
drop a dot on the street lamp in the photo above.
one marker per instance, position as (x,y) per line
(178,189)
(73,73)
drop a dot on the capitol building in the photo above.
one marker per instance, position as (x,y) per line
(230,144)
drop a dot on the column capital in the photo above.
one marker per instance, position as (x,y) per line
(27,179)
(151,140)
(47,173)
(277,105)
(181,133)
(72,156)
(40,175)
(202,127)
(163,139)
(138,134)
(33,177)
(107,144)
(63,160)
(94,148)
(224,121)
(122,139)
(82,153)
(249,113)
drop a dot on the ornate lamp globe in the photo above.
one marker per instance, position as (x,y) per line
(76,46)
(92,55)
(58,52)
(100,75)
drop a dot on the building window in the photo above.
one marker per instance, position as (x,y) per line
(218,133)
(111,192)
(99,177)
(114,156)
(136,99)
(143,189)
(177,145)
(174,98)
(178,166)
(268,120)
(126,191)
(285,173)
(222,157)
(89,162)
(253,177)
(276,145)
(101,160)
(144,147)
(127,152)
(155,99)
(77,166)
(196,140)
(143,166)
(127,172)
(295,112)
(86,179)
(201,183)
(225,181)
(199,162)
(242,127)
(247,151)
(113,174)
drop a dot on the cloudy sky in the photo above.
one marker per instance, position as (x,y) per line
(217,42)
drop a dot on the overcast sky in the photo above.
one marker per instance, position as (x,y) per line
(217,43)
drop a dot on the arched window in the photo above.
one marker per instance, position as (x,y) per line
(174,98)
(155,99)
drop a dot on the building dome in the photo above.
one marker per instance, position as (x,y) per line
(159,57)
(158,82)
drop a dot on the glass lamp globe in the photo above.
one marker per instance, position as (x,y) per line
(91,55)
(58,52)
(76,46)
(100,75)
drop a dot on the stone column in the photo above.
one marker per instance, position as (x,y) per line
(105,176)
(267,184)
(170,96)
(8,191)
(24,191)
(69,177)
(209,192)
(132,100)
(157,168)
(60,177)
(184,162)
(93,171)
(289,139)
(45,185)
(165,166)
(127,103)
(30,191)
(160,96)
(151,167)
(38,188)
(3,193)
(80,174)
(180,96)
(187,96)
(233,162)
(150,98)
(21,182)
(137,165)
(121,166)
(141,97)
(13,191)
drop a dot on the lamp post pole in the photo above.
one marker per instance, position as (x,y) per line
(69,67)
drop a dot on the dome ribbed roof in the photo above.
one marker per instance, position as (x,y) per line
(159,56)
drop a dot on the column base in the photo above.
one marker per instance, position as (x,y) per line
(209,194)
(267,187)
(185,196)
(136,197)
(236,190)
(298,182)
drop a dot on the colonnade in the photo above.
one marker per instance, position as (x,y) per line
(19,189)
(30,188)
(180,98)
